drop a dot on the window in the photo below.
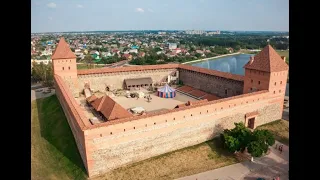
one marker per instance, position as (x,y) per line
(134,127)
(166,120)
(62,68)
(146,125)
(200,112)
(207,111)
(100,135)
(274,92)
(250,89)
(69,67)
(226,91)
(154,123)
(191,114)
(184,116)
(251,80)
(221,107)
(275,83)
(174,118)
(110,133)
(280,91)
(258,82)
(124,129)
(280,82)
(70,60)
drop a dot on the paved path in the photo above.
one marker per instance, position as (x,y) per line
(274,164)
(37,95)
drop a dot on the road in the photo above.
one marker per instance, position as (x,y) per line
(268,167)
(37,95)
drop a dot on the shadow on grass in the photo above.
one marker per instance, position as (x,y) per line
(55,129)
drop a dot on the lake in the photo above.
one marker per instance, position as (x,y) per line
(231,64)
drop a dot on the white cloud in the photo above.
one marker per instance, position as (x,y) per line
(150,10)
(140,10)
(52,5)
(79,6)
(50,18)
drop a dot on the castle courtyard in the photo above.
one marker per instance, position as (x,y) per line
(157,103)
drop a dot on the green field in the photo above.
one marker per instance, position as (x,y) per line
(55,156)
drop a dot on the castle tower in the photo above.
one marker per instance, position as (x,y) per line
(266,71)
(65,65)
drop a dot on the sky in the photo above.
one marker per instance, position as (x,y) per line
(111,15)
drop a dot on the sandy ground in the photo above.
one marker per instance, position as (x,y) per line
(156,102)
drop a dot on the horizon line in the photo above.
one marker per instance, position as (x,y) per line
(157,30)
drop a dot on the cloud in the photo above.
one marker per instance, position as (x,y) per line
(79,6)
(50,18)
(140,10)
(150,10)
(52,5)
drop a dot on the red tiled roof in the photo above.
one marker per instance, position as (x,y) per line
(267,60)
(63,51)
(192,103)
(185,89)
(92,98)
(109,108)
(197,93)
(210,97)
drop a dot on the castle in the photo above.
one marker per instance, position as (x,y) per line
(121,138)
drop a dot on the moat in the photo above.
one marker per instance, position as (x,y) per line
(231,64)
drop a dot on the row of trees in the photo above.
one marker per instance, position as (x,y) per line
(42,73)
(241,138)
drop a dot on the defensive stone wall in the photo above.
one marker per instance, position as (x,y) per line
(114,144)
(74,115)
(115,80)
(218,85)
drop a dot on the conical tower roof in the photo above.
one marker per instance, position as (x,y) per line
(63,51)
(267,60)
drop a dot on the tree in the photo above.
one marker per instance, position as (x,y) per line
(89,60)
(261,140)
(43,73)
(240,138)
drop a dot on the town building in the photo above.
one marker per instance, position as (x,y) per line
(115,137)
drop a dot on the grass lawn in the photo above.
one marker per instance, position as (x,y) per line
(191,160)
(55,156)
(280,129)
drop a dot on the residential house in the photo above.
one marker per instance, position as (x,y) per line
(127,56)
(133,51)
(142,54)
